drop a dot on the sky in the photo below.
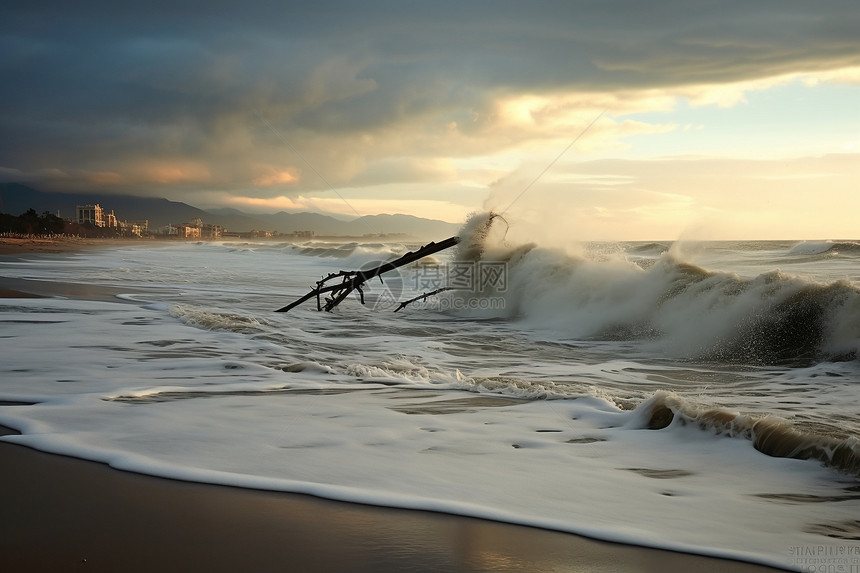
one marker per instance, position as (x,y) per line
(586,120)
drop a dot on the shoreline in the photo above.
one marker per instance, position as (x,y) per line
(11,248)
(17,246)
(62,512)
(62,244)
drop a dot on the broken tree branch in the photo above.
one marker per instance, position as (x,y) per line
(421,297)
(354,280)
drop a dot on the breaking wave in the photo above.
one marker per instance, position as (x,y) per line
(650,248)
(401,371)
(346,250)
(210,320)
(770,435)
(817,248)
(680,309)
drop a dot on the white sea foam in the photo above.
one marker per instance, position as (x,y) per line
(194,377)
(685,311)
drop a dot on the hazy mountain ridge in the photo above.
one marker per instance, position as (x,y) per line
(16,198)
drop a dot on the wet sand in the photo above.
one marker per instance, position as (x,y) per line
(12,293)
(14,246)
(64,514)
(24,288)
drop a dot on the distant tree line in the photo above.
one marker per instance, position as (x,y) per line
(31,223)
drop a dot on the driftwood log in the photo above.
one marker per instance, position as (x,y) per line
(354,280)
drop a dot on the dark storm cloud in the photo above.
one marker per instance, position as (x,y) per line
(100,86)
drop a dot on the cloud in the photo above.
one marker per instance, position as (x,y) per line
(427,208)
(275,177)
(261,97)
(663,199)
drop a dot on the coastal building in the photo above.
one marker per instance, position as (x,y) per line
(93,214)
(96,215)
(194,229)
(136,228)
(188,231)
(211,232)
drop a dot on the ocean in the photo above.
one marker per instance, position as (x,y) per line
(700,397)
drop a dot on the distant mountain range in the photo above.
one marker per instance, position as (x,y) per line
(16,198)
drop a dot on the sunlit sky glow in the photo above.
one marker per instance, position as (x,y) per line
(720,120)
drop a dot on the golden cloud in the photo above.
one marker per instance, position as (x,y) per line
(284,177)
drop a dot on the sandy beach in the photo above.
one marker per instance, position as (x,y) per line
(64,514)
(13,246)
(22,288)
